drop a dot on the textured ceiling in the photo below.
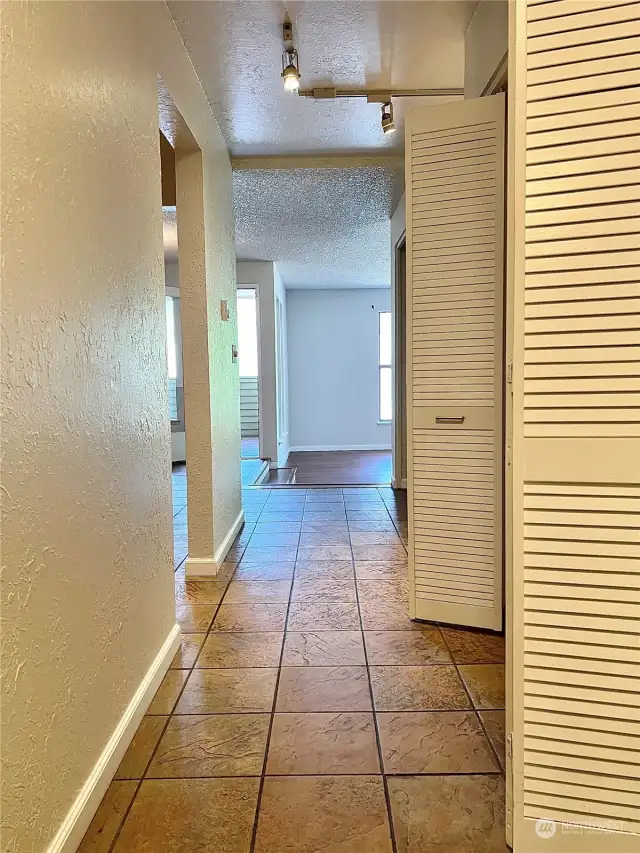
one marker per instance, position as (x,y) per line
(236,50)
(322,227)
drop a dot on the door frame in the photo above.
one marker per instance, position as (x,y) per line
(399,437)
(399,317)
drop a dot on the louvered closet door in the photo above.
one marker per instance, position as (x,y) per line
(455,224)
(576,664)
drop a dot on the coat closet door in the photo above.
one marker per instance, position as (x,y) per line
(576,596)
(455,226)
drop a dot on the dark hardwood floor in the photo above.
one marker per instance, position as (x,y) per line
(341,467)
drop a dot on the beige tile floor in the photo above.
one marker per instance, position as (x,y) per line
(304,711)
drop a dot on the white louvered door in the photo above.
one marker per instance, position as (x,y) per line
(575,703)
(455,227)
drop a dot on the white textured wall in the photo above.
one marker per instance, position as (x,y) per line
(261,276)
(485,45)
(282,375)
(87,592)
(333,368)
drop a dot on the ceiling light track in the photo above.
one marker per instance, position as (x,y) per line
(380,96)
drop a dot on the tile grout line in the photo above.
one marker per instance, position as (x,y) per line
(256,820)
(385,786)
(473,704)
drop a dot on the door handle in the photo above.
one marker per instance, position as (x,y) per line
(442,420)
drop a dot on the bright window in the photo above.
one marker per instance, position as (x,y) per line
(384,367)
(172,359)
(247,333)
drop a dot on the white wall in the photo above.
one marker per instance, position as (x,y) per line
(333,369)
(88,587)
(282,373)
(264,277)
(485,45)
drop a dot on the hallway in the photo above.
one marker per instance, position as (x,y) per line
(305,712)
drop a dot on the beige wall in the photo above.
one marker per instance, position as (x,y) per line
(87,594)
(485,45)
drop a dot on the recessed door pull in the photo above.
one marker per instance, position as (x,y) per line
(459,420)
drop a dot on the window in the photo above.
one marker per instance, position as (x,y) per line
(384,367)
(172,358)
(247,333)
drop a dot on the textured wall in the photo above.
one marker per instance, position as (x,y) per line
(87,593)
(333,368)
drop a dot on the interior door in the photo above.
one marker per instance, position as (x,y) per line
(455,280)
(575,84)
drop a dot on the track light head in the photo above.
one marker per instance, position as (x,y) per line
(387,122)
(290,72)
(290,65)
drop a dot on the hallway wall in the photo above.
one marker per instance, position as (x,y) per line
(333,369)
(87,594)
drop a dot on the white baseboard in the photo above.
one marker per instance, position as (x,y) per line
(329,447)
(80,815)
(207,567)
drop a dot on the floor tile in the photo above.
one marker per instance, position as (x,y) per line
(194,618)
(323,648)
(336,814)
(308,744)
(280,515)
(381,570)
(323,688)
(367,515)
(311,616)
(474,646)
(375,538)
(234,650)
(186,655)
(179,815)
(231,691)
(337,537)
(240,592)
(271,527)
(199,592)
(332,514)
(362,525)
(217,745)
(406,648)
(384,590)
(168,692)
(271,539)
(106,821)
(494,723)
(334,526)
(379,552)
(141,748)
(387,616)
(275,554)
(315,589)
(448,814)
(434,742)
(417,688)
(324,569)
(250,617)
(325,552)
(485,683)
(247,571)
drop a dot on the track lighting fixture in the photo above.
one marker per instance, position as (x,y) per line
(388,124)
(290,65)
